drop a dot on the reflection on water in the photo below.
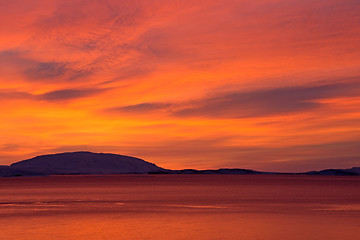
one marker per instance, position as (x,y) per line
(341,207)
(180,207)
(197,206)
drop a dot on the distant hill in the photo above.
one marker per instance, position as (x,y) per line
(86,163)
(355,171)
(106,163)
(7,171)
(217,171)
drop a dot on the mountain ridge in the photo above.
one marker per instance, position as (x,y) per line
(84,162)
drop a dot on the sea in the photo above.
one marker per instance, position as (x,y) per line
(139,207)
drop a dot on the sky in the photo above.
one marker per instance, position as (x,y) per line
(269,85)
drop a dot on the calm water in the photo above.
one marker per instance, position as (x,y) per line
(180,207)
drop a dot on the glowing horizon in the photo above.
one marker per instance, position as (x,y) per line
(268,85)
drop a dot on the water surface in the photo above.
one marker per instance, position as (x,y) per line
(180,207)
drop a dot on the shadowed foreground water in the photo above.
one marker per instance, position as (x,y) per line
(180,207)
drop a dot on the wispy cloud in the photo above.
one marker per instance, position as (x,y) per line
(256,103)
(51,96)
(54,70)
(140,108)
(267,102)
(69,94)
(35,70)
(6,94)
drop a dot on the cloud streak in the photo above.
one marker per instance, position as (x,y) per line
(257,103)
(59,95)
(6,94)
(69,94)
(268,102)
(35,70)
(140,108)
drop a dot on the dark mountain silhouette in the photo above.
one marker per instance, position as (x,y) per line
(355,171)
(217,171)
(7,171)
(86,163)
(107,163)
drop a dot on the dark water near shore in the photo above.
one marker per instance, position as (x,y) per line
(180,207)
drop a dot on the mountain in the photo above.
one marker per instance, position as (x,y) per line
(7,171)
(355,171)
(86,163)
(217,171)
(107,163)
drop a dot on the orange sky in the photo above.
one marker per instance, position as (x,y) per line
(268,84)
